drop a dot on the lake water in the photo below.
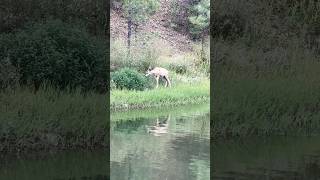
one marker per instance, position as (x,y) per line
(70,165)
(181,150)
(274,158)
(178,151)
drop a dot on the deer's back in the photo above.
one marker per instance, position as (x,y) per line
(160,71)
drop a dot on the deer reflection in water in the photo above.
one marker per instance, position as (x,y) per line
(160,127)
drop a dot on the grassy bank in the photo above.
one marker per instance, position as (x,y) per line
(186,110)
(249,103)
(51,119)
(179,94)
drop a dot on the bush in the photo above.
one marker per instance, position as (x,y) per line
(9,75)
(178,68)
(130,79)
(60,54)
(89,13)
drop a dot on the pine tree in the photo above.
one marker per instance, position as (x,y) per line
(200,21)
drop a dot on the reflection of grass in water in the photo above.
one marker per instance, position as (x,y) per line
(51,119)
(180,94)
(199,124)
(289,154)
(58,166)
(186,110)
(132,125)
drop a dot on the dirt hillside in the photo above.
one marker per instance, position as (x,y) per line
(155,24)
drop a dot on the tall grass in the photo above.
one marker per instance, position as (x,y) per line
(187,110)
(176,95)
(280,102)
(51,119)
(156,52)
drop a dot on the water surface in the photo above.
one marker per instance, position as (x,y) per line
(66,165)
(180,152)
(283,158)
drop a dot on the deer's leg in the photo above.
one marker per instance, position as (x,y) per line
(167,81)
(167,78)
(157,78)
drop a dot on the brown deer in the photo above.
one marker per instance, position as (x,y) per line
(159,72)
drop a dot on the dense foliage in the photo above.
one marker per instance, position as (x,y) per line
(139,10)
(57,53)
(265,35)
(92,14)
(190,16)
(200,18)
(130,79)
(272,22)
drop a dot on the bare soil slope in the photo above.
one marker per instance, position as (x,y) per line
(156,24)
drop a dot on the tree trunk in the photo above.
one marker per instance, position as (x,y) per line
(129,34)
(106,26)
(135,31)
(202,46)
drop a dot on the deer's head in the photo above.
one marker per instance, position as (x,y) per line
(148,72)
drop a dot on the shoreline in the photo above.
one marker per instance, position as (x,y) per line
(181,94)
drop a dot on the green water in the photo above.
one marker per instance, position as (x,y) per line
(181,152)
(68,165)
(285,158)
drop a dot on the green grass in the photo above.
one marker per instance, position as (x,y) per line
(51,119)
(185,110)
(264,104)
(180,94)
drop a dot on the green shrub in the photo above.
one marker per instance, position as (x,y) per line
(63,55)
(178,68)
(112,85)
(130,79)
(9,75)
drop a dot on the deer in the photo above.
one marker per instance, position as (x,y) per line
(159,72)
